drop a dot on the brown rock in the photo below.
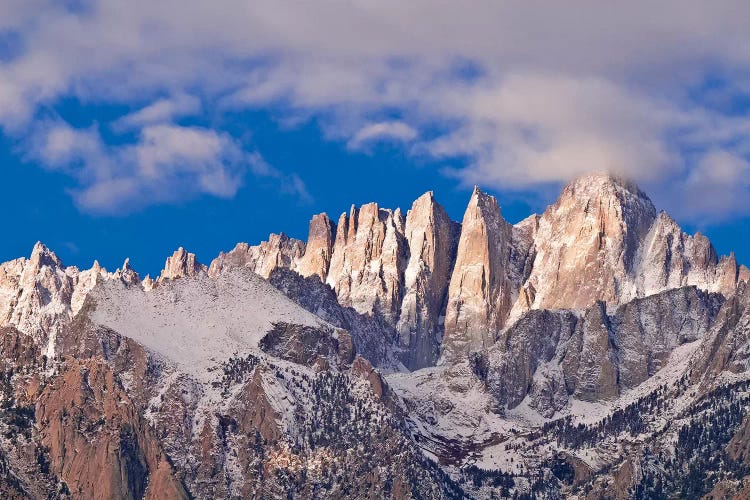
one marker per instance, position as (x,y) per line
(257,412)
(98,443)
(363,369)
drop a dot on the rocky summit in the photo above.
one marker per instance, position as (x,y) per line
(593,351)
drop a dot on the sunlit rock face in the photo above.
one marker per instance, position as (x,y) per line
(317,257)
(487,275)
(602,240)
(181,264)
(278,251)
(432,238)
(39,295)
(587,243)
(368,261)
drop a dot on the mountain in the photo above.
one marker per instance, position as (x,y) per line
(593,351)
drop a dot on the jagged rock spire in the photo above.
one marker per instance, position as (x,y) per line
(181,264)
(483,286)
(319,248)
(369,256)
(432,239)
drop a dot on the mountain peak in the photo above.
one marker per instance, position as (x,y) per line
(41,255)
(424,203)
(604,195)
(598,184)
(486,203)
(127,274)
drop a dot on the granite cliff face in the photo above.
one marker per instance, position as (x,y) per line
(603,241)
(368,261)
(594,354)
(449,289)
(595,350)
(431,238)
(317,257)
(487,276)
(587,242)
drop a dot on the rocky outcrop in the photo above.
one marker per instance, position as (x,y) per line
(595,354)
(368,261)
(127,275)
(669,258)
(39,295)
(727,347)
(36,294)
(373,338)
(319,248)
(363,369)
(432,238)
(487,275)
(278,251)
(306,345)
(603,241)
(181,264)
(97,441)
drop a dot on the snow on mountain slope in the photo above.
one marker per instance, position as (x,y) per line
(201,321)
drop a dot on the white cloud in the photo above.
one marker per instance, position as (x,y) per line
(382,131)
(160,111)
(167,163)
(511,94)
(716,189)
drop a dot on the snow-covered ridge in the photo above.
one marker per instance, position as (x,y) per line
(198,322)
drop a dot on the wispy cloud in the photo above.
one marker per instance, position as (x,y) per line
(160,111)
(167,163)
(397,131)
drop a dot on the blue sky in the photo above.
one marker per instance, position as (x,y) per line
(129,129)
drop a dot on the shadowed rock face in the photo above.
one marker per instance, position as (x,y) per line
(372,337)
(307,346)
(727,347)
(594,354)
